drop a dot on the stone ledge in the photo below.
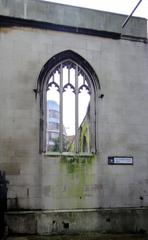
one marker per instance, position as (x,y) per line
(118,220)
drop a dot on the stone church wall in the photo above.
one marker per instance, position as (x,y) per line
(56,190)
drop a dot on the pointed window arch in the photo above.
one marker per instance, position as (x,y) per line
(68,89)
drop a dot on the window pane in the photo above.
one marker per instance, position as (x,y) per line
(69,119)
(65,76)
(72,76)
(84,119)
(53,122)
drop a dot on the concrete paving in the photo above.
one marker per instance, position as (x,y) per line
(88,236)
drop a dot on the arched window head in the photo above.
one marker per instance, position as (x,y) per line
(68,87)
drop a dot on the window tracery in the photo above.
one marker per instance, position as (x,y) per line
(68,105)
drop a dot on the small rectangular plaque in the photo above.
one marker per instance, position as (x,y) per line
(120,160)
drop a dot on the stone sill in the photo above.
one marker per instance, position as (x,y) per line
(67,154)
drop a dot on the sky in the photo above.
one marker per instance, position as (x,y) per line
(117,6)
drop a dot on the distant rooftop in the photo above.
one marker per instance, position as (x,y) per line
(65,17)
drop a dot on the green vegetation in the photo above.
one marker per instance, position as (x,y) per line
(84,139)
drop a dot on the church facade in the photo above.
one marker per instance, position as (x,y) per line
(99,181)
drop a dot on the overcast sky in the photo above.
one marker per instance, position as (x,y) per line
(118,6)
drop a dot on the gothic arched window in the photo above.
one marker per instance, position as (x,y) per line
(68,87)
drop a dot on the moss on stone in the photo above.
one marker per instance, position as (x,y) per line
(76,173)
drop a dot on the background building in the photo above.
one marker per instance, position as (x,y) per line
(52,125)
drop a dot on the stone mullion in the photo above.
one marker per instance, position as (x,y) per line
(76,110)
(61,108)
(43,120)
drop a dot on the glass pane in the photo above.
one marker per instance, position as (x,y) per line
(84,120)
(53,119)
(68,120)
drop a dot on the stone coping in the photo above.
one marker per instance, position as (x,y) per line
(74,17)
